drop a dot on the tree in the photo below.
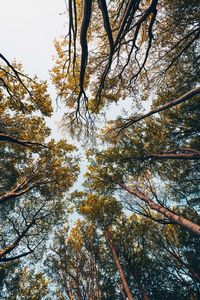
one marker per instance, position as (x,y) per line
(145,161)
(147,263)
(156,258)
(123,53)
(105,175)
(25,284)
(36,173)
(104,211)
(72,263)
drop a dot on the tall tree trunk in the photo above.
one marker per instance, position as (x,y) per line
(117,262)
(190,226)
(77,284)
(70,289)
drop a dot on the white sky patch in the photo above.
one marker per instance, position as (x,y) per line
(28,29)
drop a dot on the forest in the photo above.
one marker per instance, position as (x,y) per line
(131,229)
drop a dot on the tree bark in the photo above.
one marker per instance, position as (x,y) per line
(22,188)
(118,265)
(136,276)
(190,226)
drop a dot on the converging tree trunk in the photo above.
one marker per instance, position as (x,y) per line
(118,265)
(190,226)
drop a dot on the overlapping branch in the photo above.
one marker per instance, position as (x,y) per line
(20,236)
(129,25)
(16,73)
(22,188)
(179,153)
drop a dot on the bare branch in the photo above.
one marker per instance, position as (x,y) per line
(17,74)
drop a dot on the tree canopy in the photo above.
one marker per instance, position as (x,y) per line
(132,229)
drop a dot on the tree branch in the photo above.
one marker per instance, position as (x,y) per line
(190,226)
(8,138)
(185,97)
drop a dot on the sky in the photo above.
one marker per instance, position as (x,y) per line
(28,29)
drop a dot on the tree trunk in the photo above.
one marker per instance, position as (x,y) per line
(141,287)
(70,289)
(117,262)
(190,226)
